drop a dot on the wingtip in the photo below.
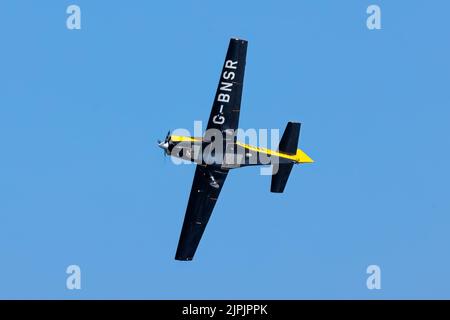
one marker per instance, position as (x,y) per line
(183,258)
(239,39)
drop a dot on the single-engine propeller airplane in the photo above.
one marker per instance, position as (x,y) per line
(210,175)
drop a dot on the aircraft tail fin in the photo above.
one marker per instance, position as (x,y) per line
(288,145)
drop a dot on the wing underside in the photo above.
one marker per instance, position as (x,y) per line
(201,203)
(208,180)
(227,101)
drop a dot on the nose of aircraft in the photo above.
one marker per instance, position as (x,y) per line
(163,145)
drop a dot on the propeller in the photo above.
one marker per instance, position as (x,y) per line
(167,139)
(165,144)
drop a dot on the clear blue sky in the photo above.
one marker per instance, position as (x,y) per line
(83,182)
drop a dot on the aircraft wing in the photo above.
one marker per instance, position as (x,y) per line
(201,203)
(227,101)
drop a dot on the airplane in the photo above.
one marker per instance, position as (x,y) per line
(212,169)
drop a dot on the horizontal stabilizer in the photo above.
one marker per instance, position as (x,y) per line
(289,140)
(288,145)
(280,179)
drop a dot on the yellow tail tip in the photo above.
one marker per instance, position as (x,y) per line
(302,157)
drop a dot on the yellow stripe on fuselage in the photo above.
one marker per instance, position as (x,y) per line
(300,157)
(183,139)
